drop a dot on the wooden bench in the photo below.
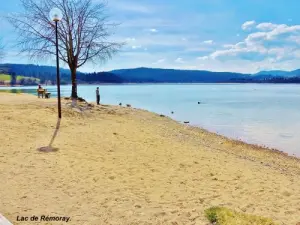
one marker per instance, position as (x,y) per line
(43,93)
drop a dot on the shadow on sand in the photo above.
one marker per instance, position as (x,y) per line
(49,148)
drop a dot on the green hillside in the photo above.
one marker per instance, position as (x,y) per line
(7,78)
(4,77)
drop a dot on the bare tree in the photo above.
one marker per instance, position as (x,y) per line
(83,32)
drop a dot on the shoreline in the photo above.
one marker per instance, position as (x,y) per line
(256,147)
(161,83)
(263,146)
(130,166)
(253,145)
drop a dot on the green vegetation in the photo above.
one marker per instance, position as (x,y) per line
(19,78)
(15,91)
(4,77)
(22,80)
(224,216)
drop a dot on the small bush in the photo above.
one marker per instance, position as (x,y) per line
(224,216)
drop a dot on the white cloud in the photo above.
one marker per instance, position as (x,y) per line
(208,42)
(136,46)
(179,60)
(283,29)
(275,42)
(266,46)
(153,30)
(203,58)
(159,61)
(130,39)
(248,25)
(171,42)
(228,46)
(294,38)
(255,37)
(273,32)
(266,26)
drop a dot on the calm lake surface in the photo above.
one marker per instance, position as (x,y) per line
(264,114)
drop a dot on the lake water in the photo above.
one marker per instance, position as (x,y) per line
(264,114)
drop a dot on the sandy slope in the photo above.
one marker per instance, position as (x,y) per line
(119,165)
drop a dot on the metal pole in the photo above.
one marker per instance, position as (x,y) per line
(57,74)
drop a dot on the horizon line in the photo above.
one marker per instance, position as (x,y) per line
(158,68)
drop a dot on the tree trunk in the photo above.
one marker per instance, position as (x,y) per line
(74,87)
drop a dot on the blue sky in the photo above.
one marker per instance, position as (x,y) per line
(218,35)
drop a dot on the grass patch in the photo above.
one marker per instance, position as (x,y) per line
(32,78)
(224,216)
(20,77)
(4,77)
(14,91)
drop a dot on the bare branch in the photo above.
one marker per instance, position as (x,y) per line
(83,32)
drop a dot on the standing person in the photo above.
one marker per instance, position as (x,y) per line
(98,96)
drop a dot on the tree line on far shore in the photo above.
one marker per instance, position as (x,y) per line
(275,80)
(33,75)
(28,75)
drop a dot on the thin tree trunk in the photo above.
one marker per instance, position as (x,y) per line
(74,87)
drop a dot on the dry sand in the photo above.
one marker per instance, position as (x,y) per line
(117,165)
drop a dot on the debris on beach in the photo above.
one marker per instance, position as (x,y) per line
(128,105)
(120,104)
(186,121)
(161,115)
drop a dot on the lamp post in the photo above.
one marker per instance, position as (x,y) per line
(56,16)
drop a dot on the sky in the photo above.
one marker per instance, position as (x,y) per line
(219,35)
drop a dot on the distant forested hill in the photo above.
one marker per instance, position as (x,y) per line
(48,73)
(44,73)
(103,77)
(269,79)
(149,75)
(175,76)
(30,69)
(279,73)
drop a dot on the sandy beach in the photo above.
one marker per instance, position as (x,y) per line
(119,165)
